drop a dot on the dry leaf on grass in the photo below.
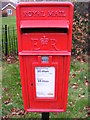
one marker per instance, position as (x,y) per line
(17,111)
(86,82)
(75,85)
(88,110)
(73,75)
(17,94)
(81,96)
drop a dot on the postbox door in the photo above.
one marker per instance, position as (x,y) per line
(45,100)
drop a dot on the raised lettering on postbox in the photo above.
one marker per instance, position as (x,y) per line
(39,44)
(57,13)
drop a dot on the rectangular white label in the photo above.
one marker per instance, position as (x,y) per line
(45,81)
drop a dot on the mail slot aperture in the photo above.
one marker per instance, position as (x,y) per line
(41,30)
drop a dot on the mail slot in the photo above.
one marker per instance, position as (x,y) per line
(44,46)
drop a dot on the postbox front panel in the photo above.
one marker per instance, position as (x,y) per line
(44,45)
(46,96)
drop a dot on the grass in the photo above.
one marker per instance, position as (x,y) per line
(10,21)
(77,92)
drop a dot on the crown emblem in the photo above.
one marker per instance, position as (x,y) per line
(44,40)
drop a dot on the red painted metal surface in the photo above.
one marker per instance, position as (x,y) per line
(44,29)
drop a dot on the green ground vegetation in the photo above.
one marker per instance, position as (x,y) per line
(10,21)
(12,101)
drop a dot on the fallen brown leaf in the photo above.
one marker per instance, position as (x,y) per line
(81,96)
(17,83)
(86,82)
(73,75)
(17,94)
(75,85)
(13,109)
(88,110)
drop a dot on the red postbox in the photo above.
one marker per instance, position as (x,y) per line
(44,47)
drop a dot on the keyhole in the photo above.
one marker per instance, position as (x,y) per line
(31,84)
